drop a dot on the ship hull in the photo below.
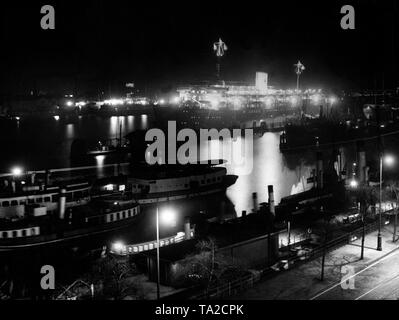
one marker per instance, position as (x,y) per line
(185,194)
(64,238)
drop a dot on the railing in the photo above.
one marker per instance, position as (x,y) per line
(124,250)
(228,289)
(72,169)
(335,243)
(248,281)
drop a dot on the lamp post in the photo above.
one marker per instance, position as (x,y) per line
(332,100)
(388,161)
(16,173)
(168,216)
(158,272)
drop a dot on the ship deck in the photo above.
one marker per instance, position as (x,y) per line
(156,172)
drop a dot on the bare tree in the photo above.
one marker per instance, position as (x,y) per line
(206,268)
(113,274)
(366,198)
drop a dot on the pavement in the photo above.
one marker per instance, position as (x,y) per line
(346,277)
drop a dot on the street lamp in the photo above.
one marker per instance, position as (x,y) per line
(389,161)
(118,247)
(17,171)
(354,184)
(332,100)
(168,216)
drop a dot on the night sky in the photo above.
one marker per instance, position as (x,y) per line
(100,45)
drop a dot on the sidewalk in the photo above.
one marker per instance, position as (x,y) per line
(303,282)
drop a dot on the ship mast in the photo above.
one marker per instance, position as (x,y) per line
(219,48)
(299,68)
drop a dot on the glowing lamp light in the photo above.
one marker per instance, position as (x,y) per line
(168,217)
(57,118)
(109,187)
(176,100)
(316,98)
(80,104)
(118,246)
(389,160)
(269,101)
(294,100)
(69,103)
(114,102)
(354,184)
(332,100)
(17,171)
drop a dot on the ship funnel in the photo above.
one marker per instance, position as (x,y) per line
(255,201)
(271,201)
(61,204)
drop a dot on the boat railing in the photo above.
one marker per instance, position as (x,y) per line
(68,170)
(130,249)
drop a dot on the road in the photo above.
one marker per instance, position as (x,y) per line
(378,281)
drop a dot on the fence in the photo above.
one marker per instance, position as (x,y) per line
(248,281)
(229,288)
(335,243)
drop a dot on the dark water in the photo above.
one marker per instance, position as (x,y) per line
(46,143)
(41,144)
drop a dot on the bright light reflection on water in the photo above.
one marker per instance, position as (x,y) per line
(269,168)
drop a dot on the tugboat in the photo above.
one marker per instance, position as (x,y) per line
(39,228)
(161,183)
(153,184)
(34,215)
